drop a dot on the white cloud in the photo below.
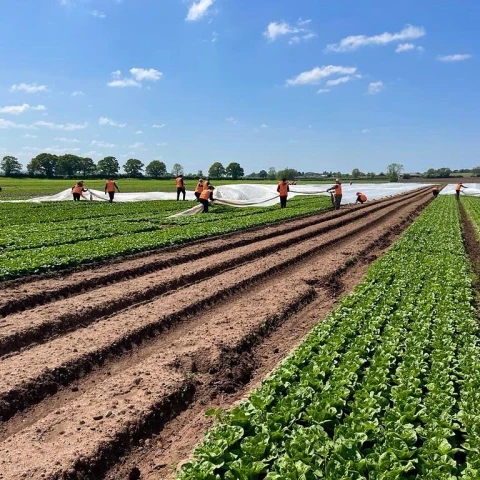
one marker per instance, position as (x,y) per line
(124,82)
(141,74)
(297,33)
(338,81)
(59,126)
(111,123)
(9,124)
(405,47)
(101,143)
(232,120)
(116,74)
(214,37)
(56,150)
(375,87)
(199,9)
(314,76)
(263,125)
(323,90)
(18,109)
(28,88)
(159,126)
(354,42)
(28,135)
(138,132)
(97,14)
(67,140)
(458,57)
(93,154)
(136,145)
(78,93)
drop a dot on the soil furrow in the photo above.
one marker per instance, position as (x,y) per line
(27,293)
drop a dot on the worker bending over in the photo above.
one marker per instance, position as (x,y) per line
(110,187)
(180,187)
(205,197)
(435,191)
(77,191)
(361,197)
(283,189)
(199,189)
(206,183)
(458,189)
(336,193)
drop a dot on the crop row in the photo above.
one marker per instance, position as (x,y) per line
(34,251)
(388,386)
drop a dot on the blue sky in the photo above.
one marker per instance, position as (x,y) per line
(329,85)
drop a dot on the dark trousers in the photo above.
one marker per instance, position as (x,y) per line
(197,196)
(205,205)
(283,202)
(457,194)
(435,193)
(76,197)
(179,191)
(338,201)
(111,195)
(360,200)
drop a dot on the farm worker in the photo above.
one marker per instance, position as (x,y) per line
(361,197)
(110,187)
(337,194)
(199,189)
(205,196)
(435,191)
(77,191)
(458,189)
(283,189)
(206,183)
(180,187)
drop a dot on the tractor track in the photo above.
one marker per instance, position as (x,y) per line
(87,376)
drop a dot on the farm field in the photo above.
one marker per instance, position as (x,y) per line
(113,356)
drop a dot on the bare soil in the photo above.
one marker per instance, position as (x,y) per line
(110,378)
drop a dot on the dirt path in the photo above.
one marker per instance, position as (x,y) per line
(86,377)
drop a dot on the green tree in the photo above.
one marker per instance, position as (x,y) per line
(108,166)
(10,166)
(263,174)
(394,170)
(68,165)
(156,169)
(288,173)
(133,167)
(272,173)
(200,174)
(234,171)
(216,170)
(177,170)
(86,166)
(44,163)
(356,173)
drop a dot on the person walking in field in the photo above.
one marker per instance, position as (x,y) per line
(361,198)
(435,191)
(199,189)
(336,192)
(180,187)
(283,189)
(458,189)
(206,197)
(77,191)
(110,187)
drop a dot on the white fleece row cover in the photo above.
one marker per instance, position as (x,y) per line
(471,190)
(243,195)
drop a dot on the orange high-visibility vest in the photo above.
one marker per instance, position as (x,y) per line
(338,189)
(199,188)
(458,187)
(205,195)
(283,189)
(363,197)
(77,189)
(110,186)
(179,182)
(205,185)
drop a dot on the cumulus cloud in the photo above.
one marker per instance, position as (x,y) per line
(55,150)
(18,109)
(457,57)
(355,42)
(199,9)
(67,140)
(138,132)
(405,47)
(141,74)
(323,90)
(297,32)
(124,82)
(317,74)
(138,75)
(375,87)
(338,81)
(136,145)
(60,126)
(101,143)
(107,121)
(28,88)
(159,126)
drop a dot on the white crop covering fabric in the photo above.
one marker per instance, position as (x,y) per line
(471,190)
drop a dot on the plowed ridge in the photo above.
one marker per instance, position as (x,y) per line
(95,361)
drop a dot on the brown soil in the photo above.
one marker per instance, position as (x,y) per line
(134,357)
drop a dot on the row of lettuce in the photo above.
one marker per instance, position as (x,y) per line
(35,238)
(387,387)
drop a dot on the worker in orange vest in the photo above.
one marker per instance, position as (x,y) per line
(337,194)
(283,189)
(110,187)
(206,183)
(205,197)
(361,197)
(199,189)
(180,187)
(435,191)
(458,189)
(77,191)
